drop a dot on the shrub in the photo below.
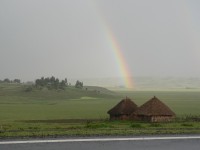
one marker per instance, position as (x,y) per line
(136,125)
(187,124)
(97,125)
(28,89)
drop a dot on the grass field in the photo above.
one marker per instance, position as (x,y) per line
(93,103)
(16,104)
(65,112)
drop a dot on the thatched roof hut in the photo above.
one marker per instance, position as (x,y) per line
(154,111)
(122,110)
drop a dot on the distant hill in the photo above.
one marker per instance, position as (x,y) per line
(170,83)
(147,83)
(99,90)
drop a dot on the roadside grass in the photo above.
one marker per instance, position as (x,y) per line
(137,125)
(44,128)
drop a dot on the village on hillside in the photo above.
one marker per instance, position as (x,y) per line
(153,110)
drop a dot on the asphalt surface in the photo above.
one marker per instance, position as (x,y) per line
(157,144)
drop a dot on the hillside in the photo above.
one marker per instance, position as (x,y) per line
(16,103)
(19,91)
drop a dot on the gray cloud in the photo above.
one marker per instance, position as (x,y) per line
(67,38)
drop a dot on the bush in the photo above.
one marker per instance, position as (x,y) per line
(97,125)
(28,89)
(187,125)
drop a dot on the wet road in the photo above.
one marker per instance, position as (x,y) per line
(112,144)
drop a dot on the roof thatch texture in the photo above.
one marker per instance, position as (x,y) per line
(154,107)
(124,107)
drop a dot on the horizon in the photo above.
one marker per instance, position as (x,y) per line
(140,83)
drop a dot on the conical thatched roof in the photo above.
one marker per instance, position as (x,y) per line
(124,107)
(154,107)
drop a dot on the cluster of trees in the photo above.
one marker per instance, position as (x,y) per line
(51,83)
(55,83)
(79,84)
(10,81)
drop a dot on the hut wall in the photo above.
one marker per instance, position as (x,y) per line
(153,118)
(119,117)
(141,118)
(135,117)
(161,118)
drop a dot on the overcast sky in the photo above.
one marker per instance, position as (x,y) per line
(67,38)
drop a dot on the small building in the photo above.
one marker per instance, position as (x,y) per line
(153,111)
(123,110)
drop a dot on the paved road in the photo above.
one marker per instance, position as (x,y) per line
(98,144)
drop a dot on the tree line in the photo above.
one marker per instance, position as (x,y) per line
(51,83)
(6,80)
(48,82)
(55,83)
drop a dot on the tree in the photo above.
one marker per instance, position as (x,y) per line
(52,79)
(6,80)
(79,84)
(62,85)
(66,83)
(51,83)
(16,81)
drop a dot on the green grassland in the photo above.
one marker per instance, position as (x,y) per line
(43,112)
(72,103)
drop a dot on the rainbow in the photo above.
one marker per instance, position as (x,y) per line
(115,48)
(120,59)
